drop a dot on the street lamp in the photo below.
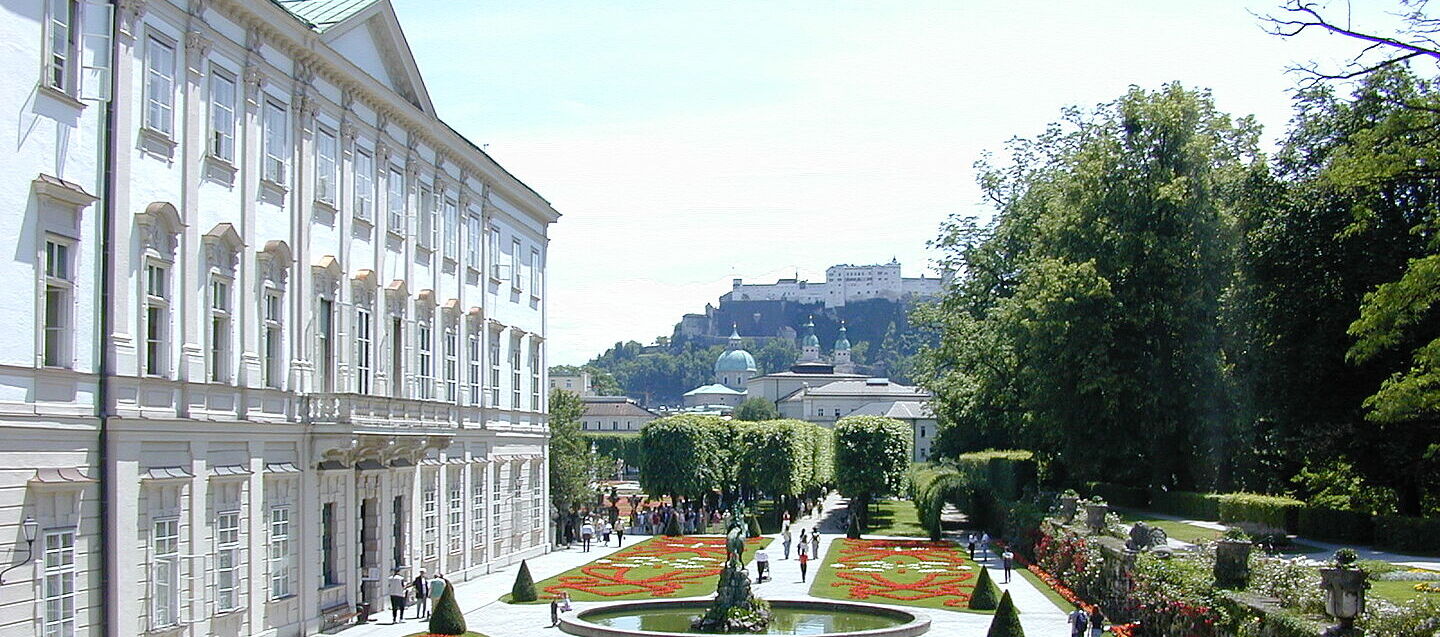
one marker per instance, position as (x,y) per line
(30,528)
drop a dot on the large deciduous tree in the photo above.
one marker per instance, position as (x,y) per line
(756,409)
(684,455)
(872,458)
(571,462)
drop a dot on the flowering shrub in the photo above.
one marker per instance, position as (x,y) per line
(1420,617)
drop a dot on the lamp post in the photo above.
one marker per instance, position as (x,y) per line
(30,528)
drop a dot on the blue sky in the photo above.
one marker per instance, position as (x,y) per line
(687,143)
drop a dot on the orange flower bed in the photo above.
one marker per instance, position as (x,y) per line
(919,572)
(659,567)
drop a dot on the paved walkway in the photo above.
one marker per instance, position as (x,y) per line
(484,613)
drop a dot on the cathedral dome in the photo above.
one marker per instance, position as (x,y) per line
(735,360)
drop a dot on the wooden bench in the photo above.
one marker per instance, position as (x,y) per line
(338,615)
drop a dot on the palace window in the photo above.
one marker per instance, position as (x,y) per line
(472,242)
(281,553)
(60,45)
(494,234)
(325,344)
(327,545)
(424,376)
(535,376)
(477,506)
(272,364)
(219,330)
(395,200)
(495,369)
(425,217)
(496,503)
(59,586)
(227,561)
(364,185)
(537,487)
(326,179)
(537,273)
(473,361)
(430,521)
(59,285)
(397,359)
(160,86)
(165,573)
(452,229)
(515,264)
(515,372)
(456,514)
(362,351)
(277,142)
(452,366)
(222,114)
(157,319)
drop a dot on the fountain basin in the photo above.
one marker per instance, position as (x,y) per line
(792,617)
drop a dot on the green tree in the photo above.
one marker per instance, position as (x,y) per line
(986,595)
(872,457)
(523,590)
(572,465)
(447,618)
(683,455)
(1006,622)
(776,355)
(775,458)
(756,409)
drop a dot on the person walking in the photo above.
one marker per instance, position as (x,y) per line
(804,559)
(972,546)
(1097,622)
(605,532)
(587,531)
(554,612)
(1005,559)
(815,542)
(762,565)
(421,584)
(1079,622)
(620,533)
(985,544)
(395,586)
(785,540)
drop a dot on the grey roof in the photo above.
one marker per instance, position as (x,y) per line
(715,388)
(323,14)
(879,388)
(281,467)
(61,475)
(901,409)
(166,473)
(834,375)
(229,470)
(616,409)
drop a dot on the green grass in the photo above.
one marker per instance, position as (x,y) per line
(898,579)
(1173,528)
(630,574)
(1040,585)
(897,518)
(1397,591)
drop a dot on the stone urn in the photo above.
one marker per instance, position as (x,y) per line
(1344,594)
(1068,506)
(1232,563)
(1095,515)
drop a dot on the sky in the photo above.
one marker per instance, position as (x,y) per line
(687,143)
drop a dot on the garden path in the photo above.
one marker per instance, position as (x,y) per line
(1366,552)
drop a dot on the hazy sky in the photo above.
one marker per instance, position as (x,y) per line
(689,142)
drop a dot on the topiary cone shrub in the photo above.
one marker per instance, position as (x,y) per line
(672,528)
(1007,620)
(524,588)
(853,530)
(986,595)
(447,618)
(752,526)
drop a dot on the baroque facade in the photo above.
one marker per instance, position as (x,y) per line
(286,328)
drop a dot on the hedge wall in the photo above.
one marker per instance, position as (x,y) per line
(1186,504)
(1403,533)
(1118,494)
(1260,514)
(1336,525)
(1010,473)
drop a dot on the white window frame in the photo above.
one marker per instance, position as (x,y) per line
(57,312)
(276,141)
(58,583)
(395,200)
(494,265)
(473,233)
(364,170)
(474,350)
(537,280)
(515,273)
(219,329)
(272,334)
(536,355)
(280,554)
(430,521)
(537,490)
(495,336)
(229,570)
(327,167)
(61,50)
(424,358)
(425,217)
(157,319)
(364,349)
(452,229)
(452,365)
(325,360)
(222,114)
(515,372)
(165,572)
(160,60)
(456,514)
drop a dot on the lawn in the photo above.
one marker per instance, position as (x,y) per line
(911,572)
(1055,598)
(660,567)
(1173,528)
(895,518)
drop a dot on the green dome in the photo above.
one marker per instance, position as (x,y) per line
(811,340)
(735,360)
(844,342)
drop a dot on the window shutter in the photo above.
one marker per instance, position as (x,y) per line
(96,20)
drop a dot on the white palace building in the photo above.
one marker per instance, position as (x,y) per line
(274,328)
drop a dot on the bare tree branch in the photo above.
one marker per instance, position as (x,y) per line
(1300,16)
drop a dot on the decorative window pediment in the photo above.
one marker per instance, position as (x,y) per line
(274,261)
(327,275)
(159,229)
(222,249)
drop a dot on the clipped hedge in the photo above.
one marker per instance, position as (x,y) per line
(1336,525)
(931,488)
(1261,514)
(625,447)
(1009,473)
(1118,494)
(1404,533)
(1186,504)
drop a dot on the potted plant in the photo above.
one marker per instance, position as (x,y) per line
(1069,501)
(1095,510)
(1344,585)
(1232,559)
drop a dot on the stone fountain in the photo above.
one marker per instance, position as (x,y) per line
(736,608)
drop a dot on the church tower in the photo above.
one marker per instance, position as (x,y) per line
(843,364)
(810,346)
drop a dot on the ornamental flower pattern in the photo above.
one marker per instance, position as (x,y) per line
(661,567)
(904,570)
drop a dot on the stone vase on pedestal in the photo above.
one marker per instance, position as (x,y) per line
(1232,564)
(1344,595)
(1095,515)
(1068,506)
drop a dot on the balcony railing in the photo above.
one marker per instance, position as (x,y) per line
(380,412)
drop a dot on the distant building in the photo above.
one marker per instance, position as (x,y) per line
(614,414)
(843,284)
(733,369)
(581,383)
(915,413)
(835,400)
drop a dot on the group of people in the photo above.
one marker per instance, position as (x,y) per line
(599,528)
(653,520)
(1083,624)
(809,546)
(426,592)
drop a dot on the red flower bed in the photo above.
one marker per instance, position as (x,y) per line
(951,587)
(616,576)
